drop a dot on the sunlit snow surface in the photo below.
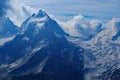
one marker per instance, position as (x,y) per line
(4,40)
(102,53)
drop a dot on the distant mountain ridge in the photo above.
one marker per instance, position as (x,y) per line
(8,28)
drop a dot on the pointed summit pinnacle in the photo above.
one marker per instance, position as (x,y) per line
(40,14)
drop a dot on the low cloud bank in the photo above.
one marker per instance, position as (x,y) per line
(82,27)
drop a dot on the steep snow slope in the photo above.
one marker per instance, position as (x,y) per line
(4,40)
(41,51)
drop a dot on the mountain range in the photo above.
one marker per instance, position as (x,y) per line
(41,52)
(45,49)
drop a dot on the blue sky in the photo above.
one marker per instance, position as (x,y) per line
(66,9)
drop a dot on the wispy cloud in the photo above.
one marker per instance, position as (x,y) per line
(98,8)
(19,11)
(66,9)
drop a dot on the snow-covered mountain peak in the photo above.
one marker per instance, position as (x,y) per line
(37,19)
(41,13)
(44,45)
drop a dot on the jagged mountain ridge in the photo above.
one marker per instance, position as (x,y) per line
(42,51)
(38,43)
(7,28)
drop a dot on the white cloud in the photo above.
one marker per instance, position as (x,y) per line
(70,27)
(82,27)
(86,28)
(113,26)
(95,24)
(19,12)
(64,10)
